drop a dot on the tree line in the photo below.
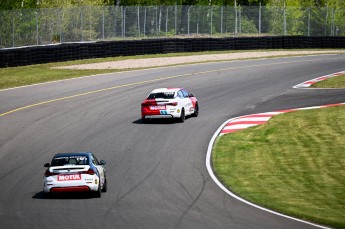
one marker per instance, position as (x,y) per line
(20,4)
(40,22)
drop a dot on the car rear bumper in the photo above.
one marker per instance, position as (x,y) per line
(70,189)
(91,183)
(170,112)
(158,116)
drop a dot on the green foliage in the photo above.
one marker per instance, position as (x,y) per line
(17,4)
(248,26)
(75,21)
(307,3)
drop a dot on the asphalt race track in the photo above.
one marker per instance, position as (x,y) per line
(156,172)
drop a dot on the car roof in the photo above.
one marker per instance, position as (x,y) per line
(86,154)
(175,89)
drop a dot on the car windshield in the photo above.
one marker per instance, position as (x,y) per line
(70,160)
(161,95)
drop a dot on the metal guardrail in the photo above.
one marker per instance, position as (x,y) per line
(32,27)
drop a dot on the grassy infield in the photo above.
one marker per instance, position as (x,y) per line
(294,164)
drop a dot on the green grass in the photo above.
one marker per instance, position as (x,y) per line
(26,75)
(333,82)
(20,76)
(294,164)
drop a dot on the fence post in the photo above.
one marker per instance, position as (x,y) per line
(211,21)
(188,19)
(260,18)
(308,21)
(115,20)
(145,22)
(61,25)
(235,19)
(13,31)
(36,27)
(221,19)
(103,24)
(90,24)
(197,20)
(239,19)
(156,21)
(326,21)
(81,26)
(175,19)
(124,22)
(284,25)
(138,12)
(332,23)
(166,22)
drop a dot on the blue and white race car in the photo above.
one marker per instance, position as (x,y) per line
(75,172)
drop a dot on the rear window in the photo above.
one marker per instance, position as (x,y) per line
(70,160)
(161,95)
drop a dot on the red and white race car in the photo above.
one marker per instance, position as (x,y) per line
(169,103)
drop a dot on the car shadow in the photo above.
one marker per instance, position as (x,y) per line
(158,121)
(76,195)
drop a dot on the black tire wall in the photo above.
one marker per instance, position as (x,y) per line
(76,51)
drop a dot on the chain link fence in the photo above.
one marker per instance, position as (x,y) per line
(30,27)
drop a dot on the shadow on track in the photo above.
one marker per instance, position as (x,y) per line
(158,121)
(77,195)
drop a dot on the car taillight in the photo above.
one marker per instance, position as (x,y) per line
(48,173)
(150,102)
(90,172)
(172,104)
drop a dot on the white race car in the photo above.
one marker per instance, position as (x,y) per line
(75,172)
(169,103)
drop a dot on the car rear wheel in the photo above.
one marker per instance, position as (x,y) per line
(182,117)
(196,111)
(105,185)
(98,193)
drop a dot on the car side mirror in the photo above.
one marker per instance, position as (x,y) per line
(47,165)
(191,95)
(102,162)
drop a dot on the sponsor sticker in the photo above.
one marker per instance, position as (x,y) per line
(68,177)
(154,108)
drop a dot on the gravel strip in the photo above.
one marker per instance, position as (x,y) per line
(164,61)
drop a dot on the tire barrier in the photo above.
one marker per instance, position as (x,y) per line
(76,51)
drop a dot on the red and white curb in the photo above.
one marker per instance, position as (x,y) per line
(308,83)
(240,123)
(243,122)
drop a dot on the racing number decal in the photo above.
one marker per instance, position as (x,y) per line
(163,112)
